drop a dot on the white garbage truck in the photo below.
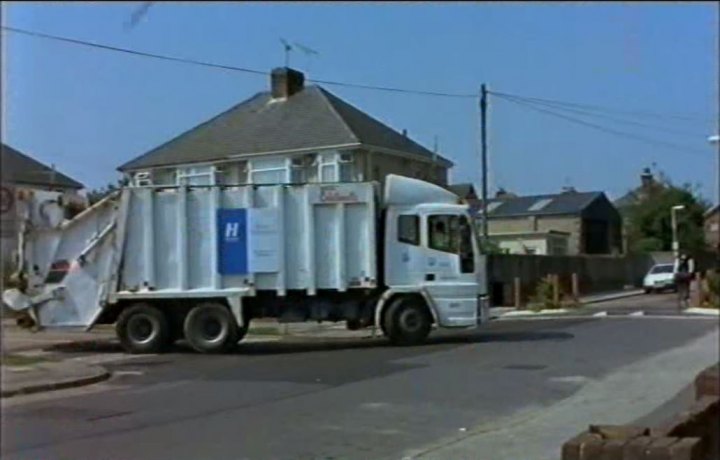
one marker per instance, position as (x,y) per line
(199,263)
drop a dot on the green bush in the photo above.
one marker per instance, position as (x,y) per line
(712,281)
(542,299)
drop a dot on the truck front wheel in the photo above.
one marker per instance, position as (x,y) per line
(211,328)
(407,321)
(143,328)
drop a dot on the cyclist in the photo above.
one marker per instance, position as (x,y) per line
(684,268)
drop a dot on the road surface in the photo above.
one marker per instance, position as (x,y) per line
(343,399)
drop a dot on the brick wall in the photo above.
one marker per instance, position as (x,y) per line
(693,434)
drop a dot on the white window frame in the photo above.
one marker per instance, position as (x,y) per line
(142,179)
(335,161)
(285,169)
(183,174)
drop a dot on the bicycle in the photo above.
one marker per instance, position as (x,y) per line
(682,283)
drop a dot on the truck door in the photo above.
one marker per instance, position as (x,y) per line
(450,270)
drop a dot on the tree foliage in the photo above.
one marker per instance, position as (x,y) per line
(648,222)
(98,194)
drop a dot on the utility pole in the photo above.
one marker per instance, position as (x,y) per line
(715,140)
(483,154)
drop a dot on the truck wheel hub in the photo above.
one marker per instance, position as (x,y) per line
(211,328)
(410,320)
(141,329)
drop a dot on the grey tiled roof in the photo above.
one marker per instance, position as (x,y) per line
(312,118)
(559,203)
(20,168)
(462,190)
(629,199)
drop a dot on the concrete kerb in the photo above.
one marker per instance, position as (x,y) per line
(91,374)
(512,313)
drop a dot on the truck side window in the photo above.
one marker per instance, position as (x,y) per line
(409,229)
(467,258)
(453,234)
(440,230)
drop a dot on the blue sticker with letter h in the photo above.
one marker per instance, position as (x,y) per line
(232,244)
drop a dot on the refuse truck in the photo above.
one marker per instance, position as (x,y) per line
(199,263)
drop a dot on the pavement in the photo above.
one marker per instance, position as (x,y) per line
(46,376)
(512,389)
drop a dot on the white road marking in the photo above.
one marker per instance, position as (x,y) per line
(119,373)
(570,379)
(607,317)
(637,313)
(600,314)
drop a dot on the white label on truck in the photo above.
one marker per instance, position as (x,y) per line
(263,240)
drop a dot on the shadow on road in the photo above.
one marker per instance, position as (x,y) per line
(313,344)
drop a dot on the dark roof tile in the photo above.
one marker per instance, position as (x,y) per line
(312,118)
(20,168)
(559,203)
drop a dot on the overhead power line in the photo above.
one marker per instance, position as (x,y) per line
(604,109)
(605,129)
(615,119)
(224,66)
(129,51)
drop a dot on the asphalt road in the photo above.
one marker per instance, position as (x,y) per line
(336,399)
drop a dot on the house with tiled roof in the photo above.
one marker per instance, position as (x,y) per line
(566,223)
(293,133)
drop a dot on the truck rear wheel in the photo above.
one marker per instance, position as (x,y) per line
(407,321)
(211,328)
(143,328)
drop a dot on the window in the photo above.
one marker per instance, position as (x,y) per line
(345,164)
(335,167)
(298,174)
(493,206)
(453,234)
(538,205)
(668,268)
(196,175)
(142,179)
(268,171)
(467,255)
(443,233)
(409,229)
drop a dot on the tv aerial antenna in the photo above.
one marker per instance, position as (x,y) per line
(137,15)
(306,50)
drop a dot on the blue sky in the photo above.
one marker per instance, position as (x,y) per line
(88,111)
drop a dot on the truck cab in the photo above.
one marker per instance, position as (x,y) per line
(432,255)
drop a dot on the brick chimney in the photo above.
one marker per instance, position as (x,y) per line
(646,178)
(285,82)
(502,193)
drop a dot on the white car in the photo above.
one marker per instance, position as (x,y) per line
(659,278)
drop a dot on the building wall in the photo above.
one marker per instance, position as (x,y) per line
(376,166)
(520,245)
(366,166)
(711,229)
(567,224)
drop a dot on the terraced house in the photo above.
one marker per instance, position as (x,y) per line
(291,134)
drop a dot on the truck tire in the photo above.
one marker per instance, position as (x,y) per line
(211,328)
(143,328)
(407,321)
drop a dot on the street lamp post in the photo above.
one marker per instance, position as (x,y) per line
(715,140)
(673,217)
